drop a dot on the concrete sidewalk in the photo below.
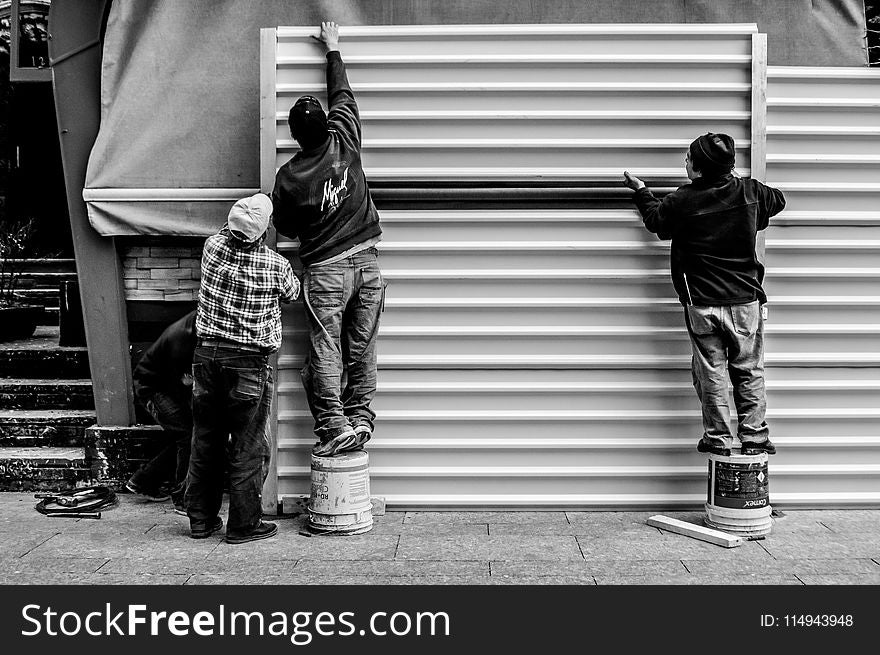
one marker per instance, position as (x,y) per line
(147,543)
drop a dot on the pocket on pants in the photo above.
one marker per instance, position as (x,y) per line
(372,288)
(248,384)
(325,288)
(700,319)
(745,318)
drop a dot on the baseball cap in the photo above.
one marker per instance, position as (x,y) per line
(249,217)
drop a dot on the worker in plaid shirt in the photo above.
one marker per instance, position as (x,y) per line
(238,325)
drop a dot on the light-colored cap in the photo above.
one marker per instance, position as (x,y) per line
(249,217)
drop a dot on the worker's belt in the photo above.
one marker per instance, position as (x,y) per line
(230,345)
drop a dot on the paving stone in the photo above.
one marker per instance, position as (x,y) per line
(833,546)
(546,580)
(665,545)
(177,564)
(536,529)
(833,579)
(17,544)
(489,548)
(699,580)
(617,519)
(232,578)
(440,529)
(784,566)
(857,522)
(295,547)
(593,567)
(27,565)
(435,518)
(394,568)
(125,579)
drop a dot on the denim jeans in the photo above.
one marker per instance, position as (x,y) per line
(343,303)
(172,462)
(232,403)
(729,339)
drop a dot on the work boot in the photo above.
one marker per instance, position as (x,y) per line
(262,531)
(709,447)
(754,448)
(203,531)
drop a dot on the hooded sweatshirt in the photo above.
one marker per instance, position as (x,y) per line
(713,224)
(321,195)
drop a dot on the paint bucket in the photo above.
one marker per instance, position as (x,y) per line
(738,497)
(340,498)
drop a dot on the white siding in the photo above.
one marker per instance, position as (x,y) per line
(537,357)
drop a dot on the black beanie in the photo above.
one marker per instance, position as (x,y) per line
(713,153)
(308,122)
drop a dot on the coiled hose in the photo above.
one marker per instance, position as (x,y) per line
(79,504)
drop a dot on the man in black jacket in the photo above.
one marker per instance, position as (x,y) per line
(163,384)
(321,197)
(713,223)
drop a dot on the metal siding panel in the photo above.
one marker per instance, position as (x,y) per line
(553,360)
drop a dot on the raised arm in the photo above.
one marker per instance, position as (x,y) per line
(342,112)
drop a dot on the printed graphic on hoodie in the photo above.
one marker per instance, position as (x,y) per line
(334,194)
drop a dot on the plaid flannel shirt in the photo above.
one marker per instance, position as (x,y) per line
(240,292)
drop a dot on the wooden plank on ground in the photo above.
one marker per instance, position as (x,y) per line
(696,531)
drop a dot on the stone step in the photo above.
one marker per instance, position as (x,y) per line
(42,469)
(42,357)
(45,265)
(46,394)
(45,297)
(29,428)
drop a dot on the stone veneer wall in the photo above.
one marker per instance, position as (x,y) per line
(161,272)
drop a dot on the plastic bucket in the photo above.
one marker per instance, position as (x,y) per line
(339,502)
(738,499)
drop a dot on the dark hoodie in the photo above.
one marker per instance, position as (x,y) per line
(713,225)
(163,365)
(321,195)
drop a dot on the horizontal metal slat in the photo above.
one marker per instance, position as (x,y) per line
(850,359)
(535,59)
(544,115)
(665,30)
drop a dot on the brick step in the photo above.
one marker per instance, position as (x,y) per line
(45,265)
(44,297)
(46,394)
(28,428)
(42,469)
(42,279)
(42,357)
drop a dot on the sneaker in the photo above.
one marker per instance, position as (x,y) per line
(203,532)
(362,434)
(752,448)
(262,531)
(152,495)
(180,509)
(709,447)
(337,444)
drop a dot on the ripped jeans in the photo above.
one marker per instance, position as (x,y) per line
(232,403)
(729,339)
(343,303)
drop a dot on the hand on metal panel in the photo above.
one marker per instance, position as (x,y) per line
(329,35)
(632,181)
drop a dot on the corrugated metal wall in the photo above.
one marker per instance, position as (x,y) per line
(537,357)
(823,281)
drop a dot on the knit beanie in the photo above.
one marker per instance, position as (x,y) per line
(713,153)
(308,122)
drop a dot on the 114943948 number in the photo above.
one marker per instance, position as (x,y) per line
(817,620)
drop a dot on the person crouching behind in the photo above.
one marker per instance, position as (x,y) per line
(713,223)
(238,325)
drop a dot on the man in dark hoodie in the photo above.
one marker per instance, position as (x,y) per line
(163,385)
(322,198)
(713,223)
